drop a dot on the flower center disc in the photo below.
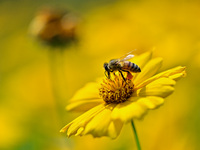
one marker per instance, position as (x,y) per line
(117,90)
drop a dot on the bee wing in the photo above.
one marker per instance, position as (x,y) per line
(127,56)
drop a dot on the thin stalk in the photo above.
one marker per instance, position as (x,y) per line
(136,136)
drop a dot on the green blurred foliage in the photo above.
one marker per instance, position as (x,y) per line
(37,80)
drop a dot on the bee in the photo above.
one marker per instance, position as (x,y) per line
(121,64)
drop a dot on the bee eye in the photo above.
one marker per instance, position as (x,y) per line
(105,65)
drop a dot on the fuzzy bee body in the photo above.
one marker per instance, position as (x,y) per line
(121,65)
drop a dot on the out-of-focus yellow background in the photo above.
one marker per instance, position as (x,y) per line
(36,81)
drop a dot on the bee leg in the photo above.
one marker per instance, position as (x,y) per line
(129,75)
(122,75)
(125,71)
(107,74)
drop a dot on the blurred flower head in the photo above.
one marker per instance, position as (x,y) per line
(54,26)
(116,101)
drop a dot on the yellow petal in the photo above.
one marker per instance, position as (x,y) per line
(102,125)
(177,76)
(115,128)
(151,102)
(79,131)
(86,98)
(174,73)
(89,91)
(129,110)
(135,108)
(149,70)
(83,105)
(79,123)
(161,87)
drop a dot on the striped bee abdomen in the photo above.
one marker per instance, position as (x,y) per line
(129,66)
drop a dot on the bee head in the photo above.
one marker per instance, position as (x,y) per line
(105,65)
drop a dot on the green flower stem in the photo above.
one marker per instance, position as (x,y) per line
(136,136)
(55,76)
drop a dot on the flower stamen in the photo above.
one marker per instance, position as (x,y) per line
(116,90)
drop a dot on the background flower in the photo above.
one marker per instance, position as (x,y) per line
(54,27)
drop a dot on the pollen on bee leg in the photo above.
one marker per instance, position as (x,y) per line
(129,76)
(116,90)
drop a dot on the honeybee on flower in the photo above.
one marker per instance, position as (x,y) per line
(122,64)
(112,102)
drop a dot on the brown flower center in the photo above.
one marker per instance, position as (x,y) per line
(116,90)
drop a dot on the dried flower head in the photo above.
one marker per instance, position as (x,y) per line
(54,27)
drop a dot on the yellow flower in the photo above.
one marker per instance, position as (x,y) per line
(114,102)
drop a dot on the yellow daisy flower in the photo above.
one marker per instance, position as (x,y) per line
(113,102)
